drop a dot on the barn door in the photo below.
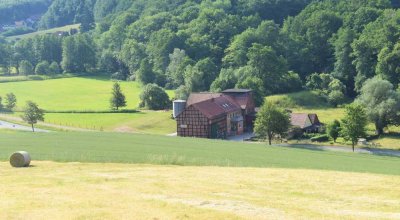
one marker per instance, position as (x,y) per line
(214,131)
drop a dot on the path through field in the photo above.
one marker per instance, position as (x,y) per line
(12,126)
(51,190)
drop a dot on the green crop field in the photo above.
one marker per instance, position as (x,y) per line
(153,149)
(49,31)
(71,94)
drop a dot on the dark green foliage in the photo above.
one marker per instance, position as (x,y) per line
(271,122)
(63,12)
(227,44)
(354,123)
(17,31)
(320,138)
(12,10)
(11,101)
(42,68)
(333,130)
(145,74)
(1,104)
(118,98)
(381,102)
(78,54)
(26,68)
(154,97)
(54,68)
(32,114)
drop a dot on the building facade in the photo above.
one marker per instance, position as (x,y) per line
(216,115)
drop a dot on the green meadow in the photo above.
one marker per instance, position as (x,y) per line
(71,94)
(154,149)
(151,122)
(66,28)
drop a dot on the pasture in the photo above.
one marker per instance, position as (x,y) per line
(66,28)
(103,147)
(123,191)
(150,122)
(72,94)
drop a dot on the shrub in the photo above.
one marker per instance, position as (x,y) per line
(320,138)
(118,76)
(42,68)
(54,68)
(25,68)
(154,97)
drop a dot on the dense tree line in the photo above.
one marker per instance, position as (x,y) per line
(11,10)
(270,46)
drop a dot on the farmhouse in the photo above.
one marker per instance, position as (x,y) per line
(308,123)
(216,115)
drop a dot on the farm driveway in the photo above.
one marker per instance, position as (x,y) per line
(8,125)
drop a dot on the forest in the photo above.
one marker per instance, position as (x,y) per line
(270,46)
(12,10)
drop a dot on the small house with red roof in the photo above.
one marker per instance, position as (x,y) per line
(216,115)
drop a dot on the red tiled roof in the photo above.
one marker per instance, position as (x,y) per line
(200,97)
(215,107)
(241,96)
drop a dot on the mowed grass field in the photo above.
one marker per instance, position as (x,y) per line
(150,122)
(51,190)
(154,149)
(71,94)
(66,28)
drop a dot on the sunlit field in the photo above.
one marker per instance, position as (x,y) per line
(71,94)
(117,191)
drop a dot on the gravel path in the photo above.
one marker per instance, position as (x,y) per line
(12,126)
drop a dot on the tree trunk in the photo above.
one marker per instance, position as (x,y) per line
(33,128)
(352,143)
(270,139)
(379,129)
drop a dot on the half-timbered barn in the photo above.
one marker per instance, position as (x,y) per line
(216,115)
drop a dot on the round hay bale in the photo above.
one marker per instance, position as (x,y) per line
(20,159)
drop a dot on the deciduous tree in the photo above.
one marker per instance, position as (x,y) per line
(32,114)
(11,101)
(271,121)
(354,123)
(381,102)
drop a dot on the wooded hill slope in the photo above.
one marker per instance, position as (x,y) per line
(187,45)
(12,10)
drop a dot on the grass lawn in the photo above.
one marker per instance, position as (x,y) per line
(153,149)
(123,191)
(67,94)
(49,31)
(142,122)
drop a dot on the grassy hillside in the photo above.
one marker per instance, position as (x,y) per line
(80,93)
(310,102)
(66,28)
(120,191)
(152,149)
